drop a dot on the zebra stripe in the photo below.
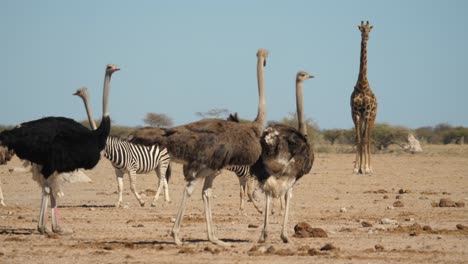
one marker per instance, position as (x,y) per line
(137,159)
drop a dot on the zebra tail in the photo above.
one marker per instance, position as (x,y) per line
(168,172)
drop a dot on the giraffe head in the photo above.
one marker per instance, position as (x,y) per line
(365,30)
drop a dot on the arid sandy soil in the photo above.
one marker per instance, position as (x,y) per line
(331,198)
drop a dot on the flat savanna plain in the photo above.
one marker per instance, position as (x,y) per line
(330,197)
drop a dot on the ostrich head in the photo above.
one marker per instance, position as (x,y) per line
(263,53)
(81,92)
(302,76)
(365,30)
(111,68)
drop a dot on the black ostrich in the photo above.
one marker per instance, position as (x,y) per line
(286,156)
(56,145)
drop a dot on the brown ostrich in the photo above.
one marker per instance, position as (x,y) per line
(286,156)
(208,146)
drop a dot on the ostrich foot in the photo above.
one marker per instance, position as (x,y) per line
(2,203)
(153,204)
(61,231)
(219,242)
(285,238)
(263,237)
(118,204)
(177,240)
(43,230)
(142,203)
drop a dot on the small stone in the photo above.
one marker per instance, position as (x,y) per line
(413,234)
(313,252)
(446,202)
(173,219)
(386,221)
(366,224)
(427,228)
(285,252)
(385,197)
(304,230)
(398,197)
(390,207)
(343,210)
(460,204)
(439,237)
(379,247)
(398,204)
(271,250)
(327,247)
(462,227)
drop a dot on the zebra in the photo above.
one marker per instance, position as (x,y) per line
(247,185)
(127,157)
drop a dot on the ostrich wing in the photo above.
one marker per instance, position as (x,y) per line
(57,143)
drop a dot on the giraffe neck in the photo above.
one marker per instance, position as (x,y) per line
(362,78)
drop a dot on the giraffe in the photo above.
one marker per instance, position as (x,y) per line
(363,108)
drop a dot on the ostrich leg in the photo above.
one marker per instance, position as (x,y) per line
(207,201)
(264,234)
(284,232)
(45,200)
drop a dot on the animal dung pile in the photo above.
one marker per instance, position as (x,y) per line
(304,230)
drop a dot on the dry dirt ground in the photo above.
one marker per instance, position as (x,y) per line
(331,198)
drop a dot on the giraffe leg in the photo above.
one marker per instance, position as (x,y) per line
(358,159)
(368,168)
(284,231)
(119,176)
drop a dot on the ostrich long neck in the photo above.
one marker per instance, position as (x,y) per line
(300,115)
(363,66)
(261,114)
(105,96)
(92,123)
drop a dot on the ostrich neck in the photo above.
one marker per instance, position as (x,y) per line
(261,114)
(300,115)
(105,95)
(92,123)
(363,66)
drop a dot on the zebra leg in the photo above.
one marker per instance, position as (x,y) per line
(1,196)
(242,185)
(250,192)
(119,175)
(133,187)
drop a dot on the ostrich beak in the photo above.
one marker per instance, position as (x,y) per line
(311,76)
(76,93)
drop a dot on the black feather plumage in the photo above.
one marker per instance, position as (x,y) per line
(57,143)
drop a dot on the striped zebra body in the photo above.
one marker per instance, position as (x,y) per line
(133,159)
(247,184)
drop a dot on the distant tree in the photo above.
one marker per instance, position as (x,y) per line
(214,113)
(425,134)
(291,120)
(384,135)
(455,135)
(158,120)
(332,135)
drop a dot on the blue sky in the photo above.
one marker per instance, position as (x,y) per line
(183,57)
